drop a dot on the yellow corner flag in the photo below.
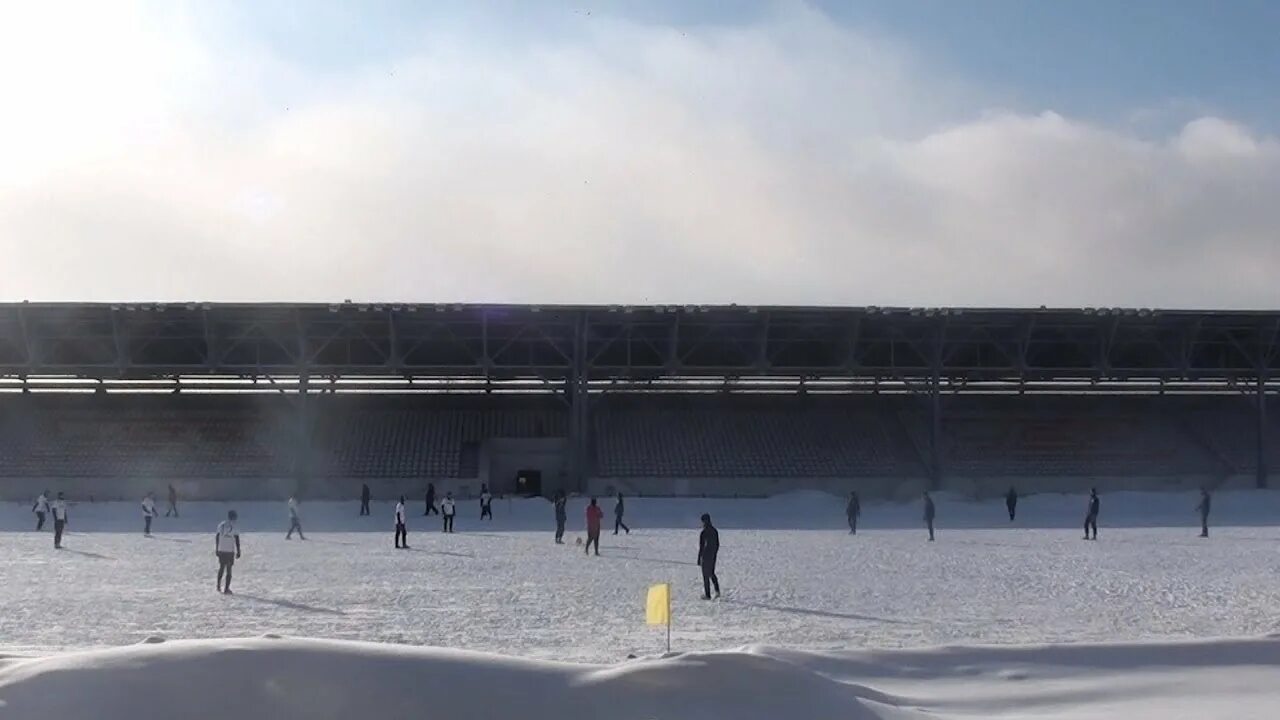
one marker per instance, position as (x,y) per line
(657,607)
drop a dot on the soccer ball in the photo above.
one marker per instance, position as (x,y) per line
(578,541)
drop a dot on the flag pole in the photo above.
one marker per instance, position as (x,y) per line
(668,622)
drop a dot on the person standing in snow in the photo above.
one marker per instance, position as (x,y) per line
(1091,519)
(59,509)
(1203,509)
(431,500)
(852,512)
(226,546)
(708,549)
(486,503)
(41,508)
(365,496)
(148,512)
(594,516)
(295,523)
(402,531)
(173,502)
(561,516)
(929,513)
(1011,502)
(618,511)
(448,508)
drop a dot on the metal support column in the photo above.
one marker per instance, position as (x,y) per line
(1262,429)
(302,445)
(935,434)
(302,442)
(935,412)
(579,412)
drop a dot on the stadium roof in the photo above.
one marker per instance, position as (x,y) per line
(160,340)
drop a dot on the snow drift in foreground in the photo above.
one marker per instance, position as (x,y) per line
(274,678)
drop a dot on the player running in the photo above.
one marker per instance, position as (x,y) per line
(226,545)
(430,500)
(294,522)
(618,511)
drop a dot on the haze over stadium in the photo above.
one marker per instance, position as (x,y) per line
(628,152)
(867,306)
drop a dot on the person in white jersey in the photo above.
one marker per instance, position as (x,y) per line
(226,545)
(486,503)
(41,509)
(148,512)
(402,531)
(447,510)
(294,522)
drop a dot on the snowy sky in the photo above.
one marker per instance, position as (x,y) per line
(863,153)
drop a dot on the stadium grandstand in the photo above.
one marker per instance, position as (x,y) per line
(264,400)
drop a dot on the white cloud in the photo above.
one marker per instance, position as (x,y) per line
(788,161)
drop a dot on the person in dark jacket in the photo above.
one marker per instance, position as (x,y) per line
(929,513)
(1203,509)
(1011,502)
(431,501)
(486,503)
(852,511)
(1091,520)
(618,510)
(561,516)
(708,549)
(173,502)
(365,496)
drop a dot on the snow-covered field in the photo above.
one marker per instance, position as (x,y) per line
(793,578)
(281,679)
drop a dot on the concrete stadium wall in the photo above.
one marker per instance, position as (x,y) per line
(983,488)
(104,489)
(383,489)
(908,488)
(750,486)
(502,458)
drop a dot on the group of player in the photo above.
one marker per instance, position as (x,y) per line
(227,537)
(853,511)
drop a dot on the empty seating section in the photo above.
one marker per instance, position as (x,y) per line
(1049,437)
(1232,434)
(359,439)
(141,436)
(362,436)
(710,439)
